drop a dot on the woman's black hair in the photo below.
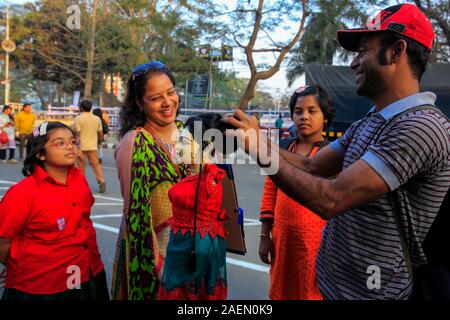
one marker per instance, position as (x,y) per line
(131,115)
(36,143)
(211,120)
(97,112)
(6,107)
(324,101)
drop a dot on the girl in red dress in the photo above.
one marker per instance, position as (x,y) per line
(290,233)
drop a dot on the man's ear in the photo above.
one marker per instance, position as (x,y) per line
(399,49)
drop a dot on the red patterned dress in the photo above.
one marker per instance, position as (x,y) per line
(296,235)
(201,276)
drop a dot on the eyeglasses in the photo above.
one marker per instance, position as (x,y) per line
(144,68)
(62,144)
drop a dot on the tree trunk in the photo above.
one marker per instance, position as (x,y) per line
(248,94)
(249,49)
(59,89)
(91,53)
(39,92)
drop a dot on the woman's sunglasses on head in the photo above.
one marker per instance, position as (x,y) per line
(144,68)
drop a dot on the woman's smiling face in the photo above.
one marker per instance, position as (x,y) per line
(160,101)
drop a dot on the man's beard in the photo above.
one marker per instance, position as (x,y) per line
(371,84)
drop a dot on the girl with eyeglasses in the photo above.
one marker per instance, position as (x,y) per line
(47,239)
(146,172)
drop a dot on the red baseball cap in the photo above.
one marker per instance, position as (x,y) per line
(405,19)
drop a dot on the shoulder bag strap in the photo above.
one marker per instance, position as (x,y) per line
(398,220)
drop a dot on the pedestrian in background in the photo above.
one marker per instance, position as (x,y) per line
(7,126)
(99,113)
(47,239)
(24,122)
(90,134)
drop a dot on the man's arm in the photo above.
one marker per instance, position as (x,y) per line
(326,163)
(354,186)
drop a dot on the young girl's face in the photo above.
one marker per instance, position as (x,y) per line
(60,149)
(308,117)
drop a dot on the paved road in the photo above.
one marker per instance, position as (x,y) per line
(248,277)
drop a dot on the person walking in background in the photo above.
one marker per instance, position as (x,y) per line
(105,117)
(90,134)
(290,233)
(24,122)
(99,113)
(7,125)
(46,232)
(279,126)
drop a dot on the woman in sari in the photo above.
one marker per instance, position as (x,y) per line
(146,172)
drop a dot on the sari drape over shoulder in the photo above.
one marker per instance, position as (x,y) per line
(146,173)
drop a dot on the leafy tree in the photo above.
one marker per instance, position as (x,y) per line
(439,13)
(265,19)
(319,43)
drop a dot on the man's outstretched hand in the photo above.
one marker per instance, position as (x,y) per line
(247,130)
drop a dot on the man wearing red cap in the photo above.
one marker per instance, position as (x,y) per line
(396,156)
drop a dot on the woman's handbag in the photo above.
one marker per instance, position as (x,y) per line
(3,137)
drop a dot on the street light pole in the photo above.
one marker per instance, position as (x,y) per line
(8,46)
(7,60)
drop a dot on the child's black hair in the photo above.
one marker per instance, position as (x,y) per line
(36,143)
(324,101)
(211,120)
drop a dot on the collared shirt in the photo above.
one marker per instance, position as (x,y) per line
(361,255)
(88,126)
(53,238)
(24,122)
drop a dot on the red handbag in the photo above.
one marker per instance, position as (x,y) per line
(3,137)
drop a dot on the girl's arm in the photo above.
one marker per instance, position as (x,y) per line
(5,244)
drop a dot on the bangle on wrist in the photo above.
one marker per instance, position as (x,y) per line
(263,235)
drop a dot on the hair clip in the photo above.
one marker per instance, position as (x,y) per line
(41,130)
(301,89)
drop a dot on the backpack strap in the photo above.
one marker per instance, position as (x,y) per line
(396,207)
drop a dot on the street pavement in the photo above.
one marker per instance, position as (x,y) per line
(248,277)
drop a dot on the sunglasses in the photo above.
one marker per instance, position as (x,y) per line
(144,68)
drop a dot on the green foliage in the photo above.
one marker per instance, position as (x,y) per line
(318,43)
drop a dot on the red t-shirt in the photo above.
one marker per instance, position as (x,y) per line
(51,230)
